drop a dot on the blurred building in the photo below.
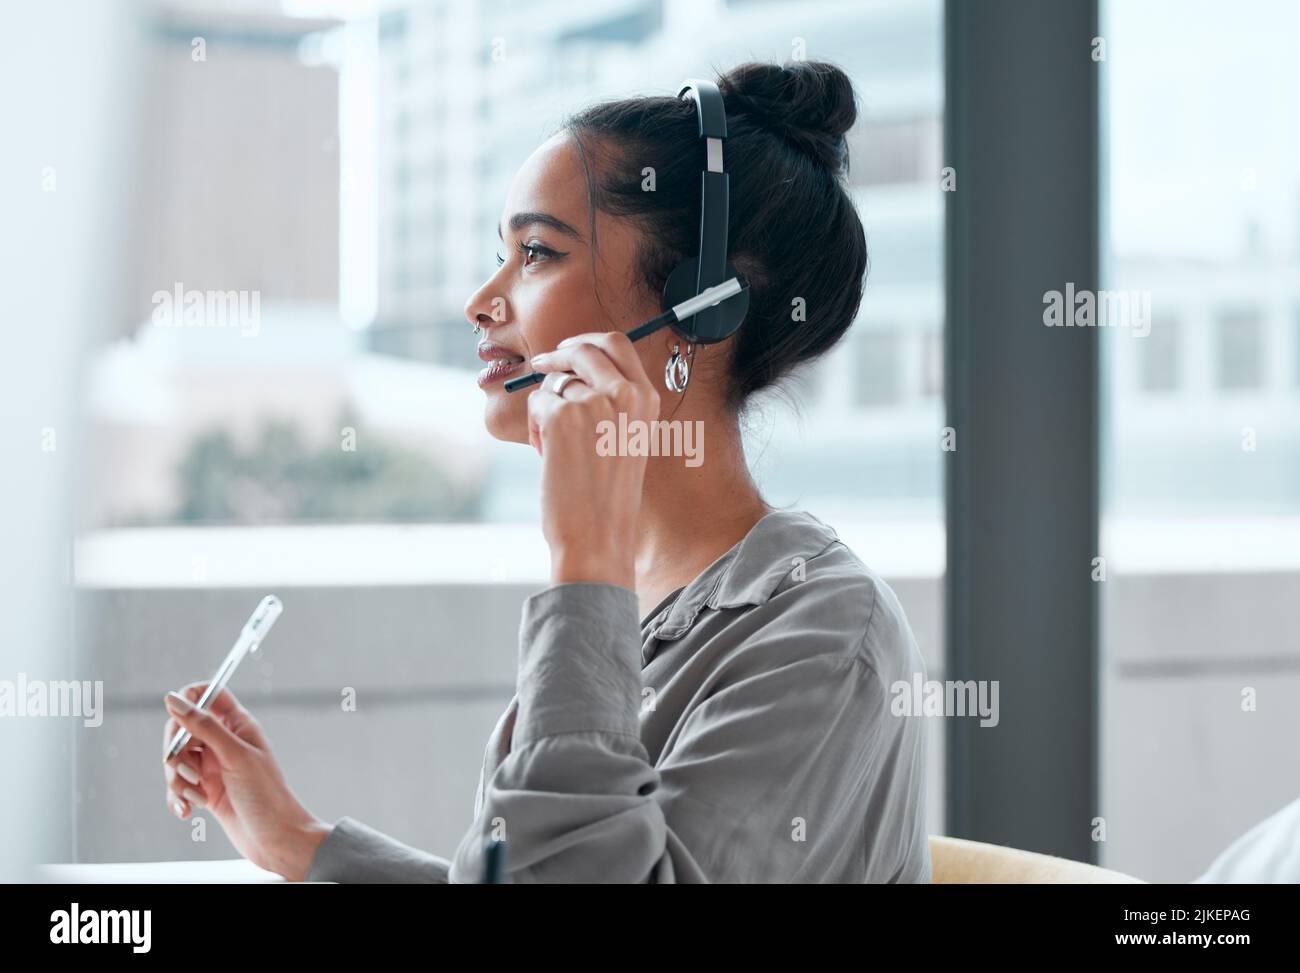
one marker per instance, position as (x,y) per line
(391,227)
(353,174)
(239,193)
(238,168)
(466,91)
(1207,406)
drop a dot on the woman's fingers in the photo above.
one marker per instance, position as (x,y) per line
(604,364)
(569,386)
(544,405)
(541,406)
(224,704)
(185,764)
(186,790)
(186,771)
(207,728)
(588,362)
(616,346)
(169,731)
(230,711)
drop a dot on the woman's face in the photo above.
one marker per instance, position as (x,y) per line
(544,290)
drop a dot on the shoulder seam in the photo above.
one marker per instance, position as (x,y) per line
(866,631)
(835,658)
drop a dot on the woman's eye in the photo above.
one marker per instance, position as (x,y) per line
(533,252)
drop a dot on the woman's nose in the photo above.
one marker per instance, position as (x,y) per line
(482,311)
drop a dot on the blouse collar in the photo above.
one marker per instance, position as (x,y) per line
(750,572)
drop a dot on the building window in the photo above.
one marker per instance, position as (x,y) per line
(1240,349)
(1297,347)
(1160,356)
(392,26)
(877,380)
(902,151)
(931,364)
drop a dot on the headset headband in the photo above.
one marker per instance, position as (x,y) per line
(711,266)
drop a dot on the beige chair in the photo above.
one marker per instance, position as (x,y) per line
(956,861)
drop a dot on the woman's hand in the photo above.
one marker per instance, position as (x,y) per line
(590,502)
(227,767)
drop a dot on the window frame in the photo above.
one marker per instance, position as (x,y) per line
(1021,128)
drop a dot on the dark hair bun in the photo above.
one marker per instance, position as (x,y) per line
(792,226)
(809,103)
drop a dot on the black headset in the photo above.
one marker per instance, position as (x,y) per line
(711,266)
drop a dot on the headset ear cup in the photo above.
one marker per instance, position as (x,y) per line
(717,323)
(680,285)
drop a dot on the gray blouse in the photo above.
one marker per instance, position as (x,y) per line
(742,732)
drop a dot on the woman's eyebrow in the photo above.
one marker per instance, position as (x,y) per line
(521,220)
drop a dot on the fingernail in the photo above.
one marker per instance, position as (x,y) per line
(188,772)
(178,808)
(177,703)
(541,359)
(192,796)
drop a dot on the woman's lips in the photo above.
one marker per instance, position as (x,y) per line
(497,371)
(501,362)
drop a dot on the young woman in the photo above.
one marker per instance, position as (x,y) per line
(703,690)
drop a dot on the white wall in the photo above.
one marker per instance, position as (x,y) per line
(63,94)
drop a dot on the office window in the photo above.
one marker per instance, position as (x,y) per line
(1162,356)
(1240,349)
(931,365)
(397,177)
(392,26)
(896,151)
(331,429)
(1295,344)
(877,381)
(1201,504)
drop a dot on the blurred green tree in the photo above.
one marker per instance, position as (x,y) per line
(280,478)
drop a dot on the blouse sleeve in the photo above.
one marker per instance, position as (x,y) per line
(775,777)
(356,853)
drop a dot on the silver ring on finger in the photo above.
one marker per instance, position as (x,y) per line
(562,381)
